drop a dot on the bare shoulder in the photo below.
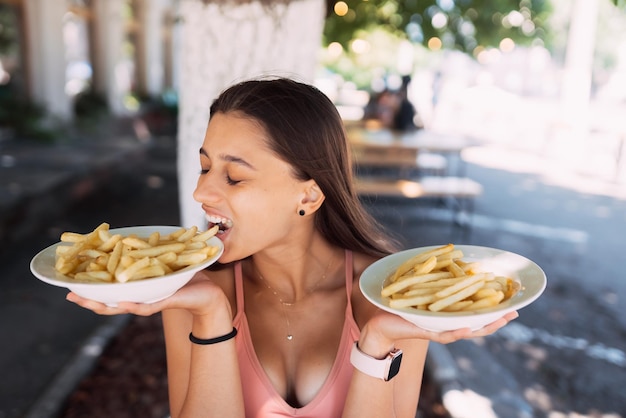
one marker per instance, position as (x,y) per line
(361,307)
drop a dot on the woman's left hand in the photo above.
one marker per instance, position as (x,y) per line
(384,329)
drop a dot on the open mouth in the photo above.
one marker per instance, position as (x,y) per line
(222,223)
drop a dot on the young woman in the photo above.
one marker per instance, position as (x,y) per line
(281,329)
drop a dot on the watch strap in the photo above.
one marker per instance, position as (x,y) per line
(378,368)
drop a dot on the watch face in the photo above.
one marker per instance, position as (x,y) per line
(394,367)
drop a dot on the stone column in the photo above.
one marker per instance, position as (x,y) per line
(110,77)
(46,55)
(150,55)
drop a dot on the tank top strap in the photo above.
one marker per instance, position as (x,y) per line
(239,287)
(349,277)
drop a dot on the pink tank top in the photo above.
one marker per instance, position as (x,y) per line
(260,397)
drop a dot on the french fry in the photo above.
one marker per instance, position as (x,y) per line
(184,260)
(101,276)
(174,235)
(109,243)
(188,234)
(412,301)
(191,245)
(456,269)
(485,292)
(100,256)
(135,242)
(440,280)
(72,237)
(420,258)
(91,253)
(127,273)
(467,281)
(458,306)
(154,239)
(158,250)
(488,301)
(206,235)
(148,271)
(115,257)
(407,282)
(455,297)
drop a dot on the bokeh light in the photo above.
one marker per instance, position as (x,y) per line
(435,44)
(341,8)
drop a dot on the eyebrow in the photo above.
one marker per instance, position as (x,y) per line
(231,159)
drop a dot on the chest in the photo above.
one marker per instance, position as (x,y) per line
(296,345)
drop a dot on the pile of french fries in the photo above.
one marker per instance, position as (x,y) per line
(100,256)
(439,280)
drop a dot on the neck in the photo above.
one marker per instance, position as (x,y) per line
(295,280)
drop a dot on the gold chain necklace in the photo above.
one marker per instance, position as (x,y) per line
(283,304)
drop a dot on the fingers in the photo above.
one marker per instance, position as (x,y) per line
(448,337)
(142,309)
(394,328)
(92,305)
(466,333)
(494,326)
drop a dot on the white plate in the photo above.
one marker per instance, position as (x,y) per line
(145,290)
(527,273)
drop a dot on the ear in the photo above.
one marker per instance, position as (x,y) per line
(312,197)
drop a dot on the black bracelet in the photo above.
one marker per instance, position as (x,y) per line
(215,340)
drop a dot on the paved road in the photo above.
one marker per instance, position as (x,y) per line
(564,355)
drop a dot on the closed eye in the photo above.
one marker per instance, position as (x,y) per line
(232,182)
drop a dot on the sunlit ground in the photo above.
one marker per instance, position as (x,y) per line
(553,169)
(538,137)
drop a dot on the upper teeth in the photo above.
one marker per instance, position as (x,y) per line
(227,223)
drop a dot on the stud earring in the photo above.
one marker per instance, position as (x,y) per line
(301,212)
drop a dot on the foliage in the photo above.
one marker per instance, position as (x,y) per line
(8,29)
(90,108)
(25,118)
(459,24)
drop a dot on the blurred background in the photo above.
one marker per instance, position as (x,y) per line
(524,98)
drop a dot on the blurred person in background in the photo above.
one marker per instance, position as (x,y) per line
(392,109)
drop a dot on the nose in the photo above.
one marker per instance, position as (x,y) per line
(205,191)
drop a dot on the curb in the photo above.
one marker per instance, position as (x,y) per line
(49,404)
(484,388)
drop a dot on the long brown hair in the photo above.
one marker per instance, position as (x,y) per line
(306,131)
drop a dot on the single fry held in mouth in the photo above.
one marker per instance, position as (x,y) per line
(439,280)
(100,256)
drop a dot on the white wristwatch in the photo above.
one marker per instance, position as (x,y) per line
(384,369)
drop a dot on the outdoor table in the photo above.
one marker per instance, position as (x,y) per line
(385,147)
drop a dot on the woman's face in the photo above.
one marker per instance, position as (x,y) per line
(245,188)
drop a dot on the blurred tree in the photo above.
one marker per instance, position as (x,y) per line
(459,24)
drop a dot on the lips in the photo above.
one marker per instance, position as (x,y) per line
(222,223)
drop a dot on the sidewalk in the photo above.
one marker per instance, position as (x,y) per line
(41,183)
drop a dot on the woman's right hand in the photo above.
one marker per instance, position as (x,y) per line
(200,297)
